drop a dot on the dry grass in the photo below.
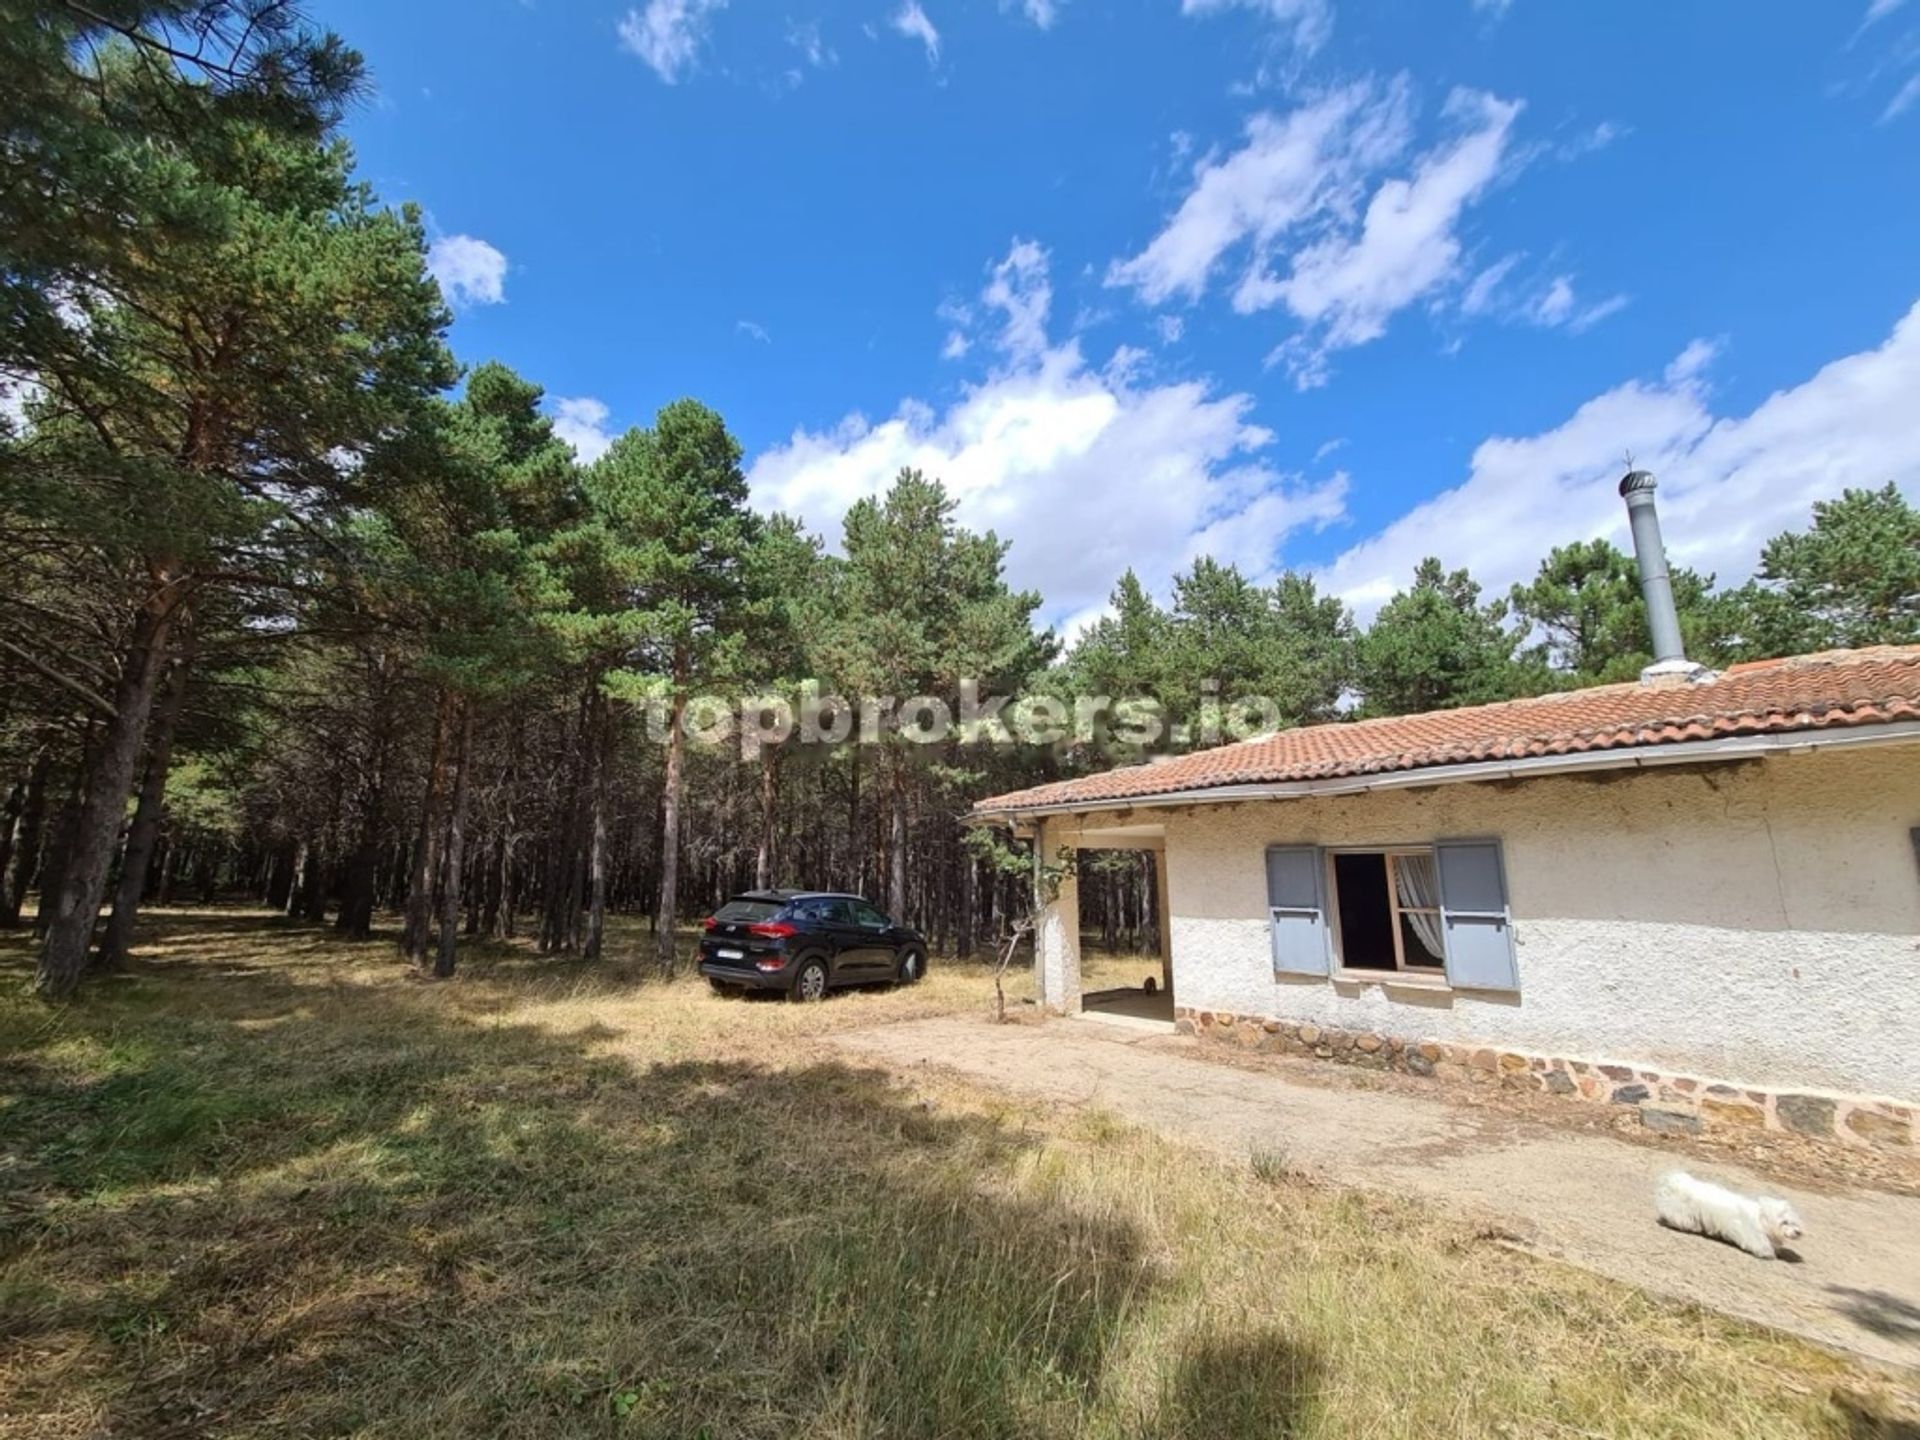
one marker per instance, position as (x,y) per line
(271,1185)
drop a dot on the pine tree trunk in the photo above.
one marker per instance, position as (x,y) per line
(318,890)
(852,871)
(500,912)
(425,843)
(963,938)
(9,822)
(280,879)
(897,846)
(769,802)
(560,904)
(597,859)
(83,886)
(144,832)
(666,935)
(456,848)
(302,878)
(363,862)
(506,901)
(28,831)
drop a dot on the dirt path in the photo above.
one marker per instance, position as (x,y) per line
(1584,1198)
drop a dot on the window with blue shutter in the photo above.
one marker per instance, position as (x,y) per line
(1474,917)
(1297,909)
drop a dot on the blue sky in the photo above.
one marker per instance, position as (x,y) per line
(1307,283)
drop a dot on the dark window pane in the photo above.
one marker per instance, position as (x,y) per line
(1419,954)
(1366,917)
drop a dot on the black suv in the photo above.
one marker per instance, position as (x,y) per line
(805,941)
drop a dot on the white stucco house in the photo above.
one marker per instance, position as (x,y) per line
(1698,894)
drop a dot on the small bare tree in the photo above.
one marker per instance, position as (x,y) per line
(1011,857)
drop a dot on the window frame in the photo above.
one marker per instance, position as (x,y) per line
(1402,973)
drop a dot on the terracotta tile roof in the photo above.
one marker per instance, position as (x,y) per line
(1834,690)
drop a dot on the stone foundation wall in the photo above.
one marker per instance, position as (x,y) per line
(1674,1104)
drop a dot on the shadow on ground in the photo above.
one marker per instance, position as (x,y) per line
(1876,1310)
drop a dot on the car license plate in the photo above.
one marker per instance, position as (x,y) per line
(730,954)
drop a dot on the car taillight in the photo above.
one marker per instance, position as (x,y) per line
(710,923)
(768,965)
(773,930)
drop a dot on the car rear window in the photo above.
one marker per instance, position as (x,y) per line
(747,912)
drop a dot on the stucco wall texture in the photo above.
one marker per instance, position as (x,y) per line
(1754,922)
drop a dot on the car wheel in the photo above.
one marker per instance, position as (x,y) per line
(810,983)
(912,966)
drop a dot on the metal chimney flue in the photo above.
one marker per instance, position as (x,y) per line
(1670,661)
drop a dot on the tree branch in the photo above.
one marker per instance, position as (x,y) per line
(85,692)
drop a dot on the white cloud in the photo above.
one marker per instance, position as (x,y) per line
(1560,305)
(1479,296)
(1171,328)
(812,47)
(1692,361)
(582,422)
(753,330)
(1555,305)
(1495,8)
(1019,288)
(470,271)
(1346,287)
(1591,315)
(911,21)
(1727,483)
(1903,100)
(1295,198)
(1588,141)
(1880,9)
(1306,23)
(1041,12)
(668,34)
(1086,470)
(1291,168)
(958,318)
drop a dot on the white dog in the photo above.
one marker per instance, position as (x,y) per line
(1758,1224)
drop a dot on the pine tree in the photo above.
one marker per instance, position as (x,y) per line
(1585,604)
(207,394)
(1434,646)
(1852,579)
(673,499)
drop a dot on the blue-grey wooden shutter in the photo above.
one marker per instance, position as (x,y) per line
(1474,917)
(1297,909)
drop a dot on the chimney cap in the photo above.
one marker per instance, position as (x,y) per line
(1636,482)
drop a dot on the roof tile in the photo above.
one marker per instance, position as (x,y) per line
(1832,690)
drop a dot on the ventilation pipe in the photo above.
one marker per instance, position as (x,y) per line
(1656,586)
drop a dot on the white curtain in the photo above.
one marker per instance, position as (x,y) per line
(1418,881)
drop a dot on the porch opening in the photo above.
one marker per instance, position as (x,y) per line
(1106,988)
